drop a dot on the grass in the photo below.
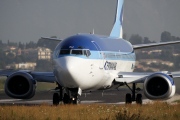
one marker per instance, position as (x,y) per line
(2,82)
(42,86)
(177,101)
(155,111)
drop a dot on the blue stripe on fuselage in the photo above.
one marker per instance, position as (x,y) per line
(85,41)
(101,47)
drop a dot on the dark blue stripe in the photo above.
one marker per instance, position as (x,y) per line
(84,41)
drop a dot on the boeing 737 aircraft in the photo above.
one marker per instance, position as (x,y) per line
(89,62)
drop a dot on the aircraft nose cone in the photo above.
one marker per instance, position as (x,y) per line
(68,72)
(67,65)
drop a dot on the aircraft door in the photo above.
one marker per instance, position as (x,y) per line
(101,58)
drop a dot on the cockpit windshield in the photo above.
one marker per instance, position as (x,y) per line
(85,52)
(63,52)
(77,52)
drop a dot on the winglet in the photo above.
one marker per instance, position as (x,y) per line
(117,28)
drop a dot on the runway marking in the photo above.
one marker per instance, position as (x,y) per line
(90,101)
(37,101)
(9,100)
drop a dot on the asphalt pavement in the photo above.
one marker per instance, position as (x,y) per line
(106,97)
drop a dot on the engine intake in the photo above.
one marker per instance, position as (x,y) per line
(20,85)
(159,86)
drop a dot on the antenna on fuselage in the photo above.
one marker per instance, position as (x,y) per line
(92,32)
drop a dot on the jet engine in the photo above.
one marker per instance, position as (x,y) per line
(20,85)
(159,86)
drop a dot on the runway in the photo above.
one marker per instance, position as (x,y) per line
(45,97)
(106,97)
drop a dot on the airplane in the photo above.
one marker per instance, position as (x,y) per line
(89,62)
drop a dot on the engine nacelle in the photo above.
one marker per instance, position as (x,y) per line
(20,85)
(159,86)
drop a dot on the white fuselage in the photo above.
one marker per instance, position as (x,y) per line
(88,74)
(91,62)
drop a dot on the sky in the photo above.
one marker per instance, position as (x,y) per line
(29,20)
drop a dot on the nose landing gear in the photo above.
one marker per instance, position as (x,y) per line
(65,95)
(71,96)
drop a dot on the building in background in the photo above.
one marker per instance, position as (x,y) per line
(44,53)
(22,66)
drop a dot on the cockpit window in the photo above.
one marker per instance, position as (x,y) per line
(77,52)
(62,52)
(85,52)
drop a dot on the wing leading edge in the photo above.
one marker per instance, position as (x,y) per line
(139,46)
(140,77)
(38,76)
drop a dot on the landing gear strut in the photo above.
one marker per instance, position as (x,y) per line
(130,98)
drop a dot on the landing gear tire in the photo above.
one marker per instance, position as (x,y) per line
(128,98)
(55,99)
(66,99)
(135,97)
(139,99)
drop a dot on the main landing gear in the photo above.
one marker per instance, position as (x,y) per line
(65,95)
(133,97)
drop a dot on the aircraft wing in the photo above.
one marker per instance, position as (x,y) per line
(139,46)
(7,72)
(44,76)
(38,76)
(140,77)
(54,39)
(176,74)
